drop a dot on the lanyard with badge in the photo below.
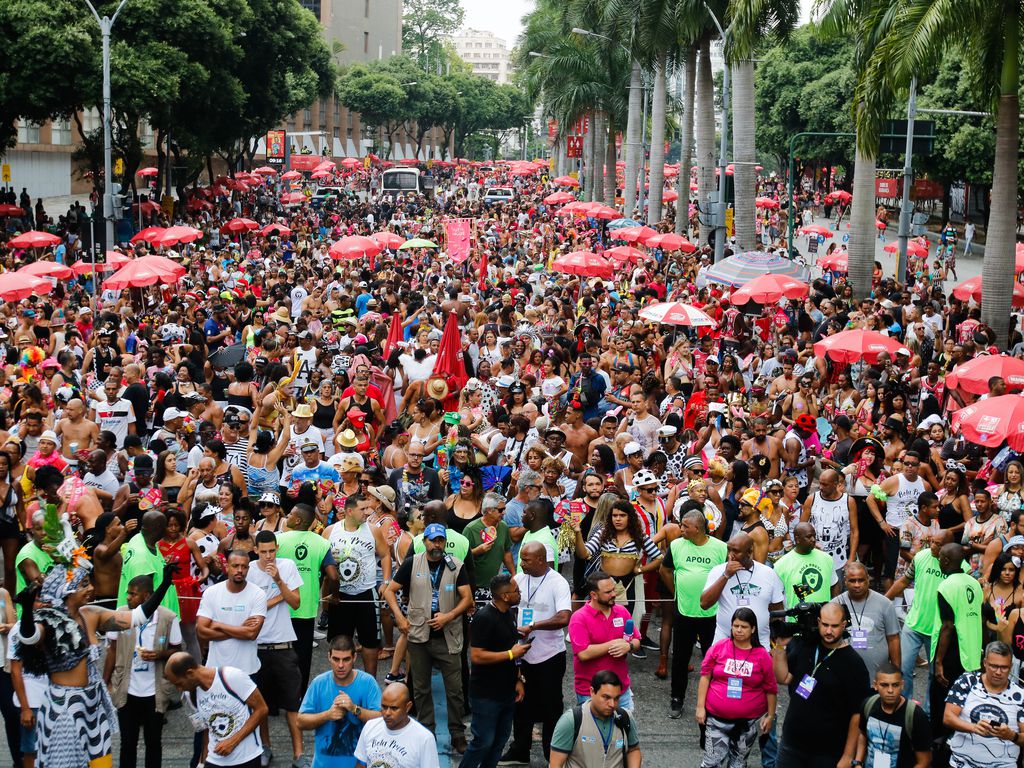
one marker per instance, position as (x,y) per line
(435,585)
(743,599)
(526,614)
(740,669)
(807,684)
(606,740)
(138,663)
(858,635)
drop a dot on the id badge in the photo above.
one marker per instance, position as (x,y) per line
(743,601)
(526,616)
(806,687)
(881,760)
(859,639)
(735,688)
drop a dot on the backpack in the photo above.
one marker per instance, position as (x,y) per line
(620,720)
(908,713)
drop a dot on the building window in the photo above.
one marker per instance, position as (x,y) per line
(366,42)
(323,113)
(60,132)
(337,110)
(337,132)
(28,132)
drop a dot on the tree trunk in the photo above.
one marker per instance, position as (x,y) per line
(862,226)
(744,154)
(705,130)
(686,143)
(657,175)
(610,182)
(597,127)
(997,271)
(632,143)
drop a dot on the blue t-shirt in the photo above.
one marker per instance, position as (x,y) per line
(336,739)
(514,519)
(361,301)
(211,327)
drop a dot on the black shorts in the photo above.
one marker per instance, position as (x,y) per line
(355,615)
(891,545)
(278,679)
(9,529)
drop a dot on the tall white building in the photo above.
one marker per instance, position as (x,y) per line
(485,52)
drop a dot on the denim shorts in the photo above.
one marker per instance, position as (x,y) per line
(28,737)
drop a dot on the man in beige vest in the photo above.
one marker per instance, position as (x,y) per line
(439,594)
(134,672)
(597,733)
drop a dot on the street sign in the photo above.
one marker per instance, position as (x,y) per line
(6,175)
(894,137)
(812,245)
(574,146)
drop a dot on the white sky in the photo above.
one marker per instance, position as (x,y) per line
(504,18)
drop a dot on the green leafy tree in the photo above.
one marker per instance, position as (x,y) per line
(425,24)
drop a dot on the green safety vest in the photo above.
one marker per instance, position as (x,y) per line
(307,550)
(964,595)
(923,615)
(813,570)
(456,544)
(137,559)
(545,537)
(691,565)
(42,560)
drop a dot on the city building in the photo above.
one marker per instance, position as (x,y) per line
(486,53)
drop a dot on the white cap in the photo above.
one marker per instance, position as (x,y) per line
(51,436)
(666,431)
(173,413)
(632,448)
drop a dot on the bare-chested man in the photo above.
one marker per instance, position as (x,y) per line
(578,434)
(785,384)
(605,435)
(75,431)
(763,444)
(106,557)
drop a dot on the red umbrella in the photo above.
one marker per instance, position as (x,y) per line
(149,234)
(858,344)
(240,225)
(565,181)
(816,229)
(293,198)
(634,234)
(114,260)
(15,286)
(279,229)
(973,376)
(621,254)
(768,289)
(676,313)
(605,212)
(913,249)
(33,239)
(577,207)
(148,207)
(671,242)
(266,170)
(320,175)
(144,172)
(767,203)
(586,263)
(290,176)
(557,198)
(176,235)
(669,196)
(389,240)
(6,209)
(991,421)
(842,196)
(450,363)
(355,247)
(143,271)
(395,335)
(350,162)
(838,261)
(971,289)
(47,269)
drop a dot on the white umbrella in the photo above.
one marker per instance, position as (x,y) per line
(676,313)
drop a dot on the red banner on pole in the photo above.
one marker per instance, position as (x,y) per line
(457,231)
(574,146)
(887,188)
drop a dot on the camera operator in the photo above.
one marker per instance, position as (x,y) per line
(827,682)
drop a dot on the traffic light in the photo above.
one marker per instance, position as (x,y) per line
(116,202)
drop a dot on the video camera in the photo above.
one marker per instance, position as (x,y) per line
(805,616)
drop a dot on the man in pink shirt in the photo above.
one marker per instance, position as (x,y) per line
(602,635)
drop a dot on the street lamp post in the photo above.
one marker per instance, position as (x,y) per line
(106,23)
(720,231)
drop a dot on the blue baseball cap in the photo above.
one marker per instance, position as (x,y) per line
(435,531)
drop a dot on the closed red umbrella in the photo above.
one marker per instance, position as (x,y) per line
(991,421)
(586,263)
(971,289)
(143,271)
(858,344)
(355,247)
(395,335)
(671,242)
(389,240)
(768,289)
(47,269)
(973,376)
(240,225)
(33,239)
(15,286)
(450,363)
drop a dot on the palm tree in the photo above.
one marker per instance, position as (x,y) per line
(634,131)
(686,140)
(914,36)
(705,134)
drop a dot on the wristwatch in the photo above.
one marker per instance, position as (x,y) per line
(357,711)
(856,764)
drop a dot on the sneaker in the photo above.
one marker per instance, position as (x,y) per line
(639,653)
(319,634)
(266,757)
(649,644)
(509,759)
(675,709)
(392,678)
(302,761)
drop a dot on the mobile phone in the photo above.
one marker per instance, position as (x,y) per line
(526,640)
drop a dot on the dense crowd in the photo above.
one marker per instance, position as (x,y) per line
(502,472)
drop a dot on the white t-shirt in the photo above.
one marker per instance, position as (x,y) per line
(224,711)
(115,417)
(756,590)
(105,482)
(233,608)
(541,598)
(411,747)
(277,627)
(298,295)
(35,685)
(142,680)
(548,387)
(296,440)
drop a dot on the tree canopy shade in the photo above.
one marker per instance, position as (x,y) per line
(425,24)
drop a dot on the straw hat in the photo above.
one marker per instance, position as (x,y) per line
(281,315)
(348,439)
(303,411)
(437,389)
(385,494)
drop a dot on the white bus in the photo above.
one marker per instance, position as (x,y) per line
(397,181)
